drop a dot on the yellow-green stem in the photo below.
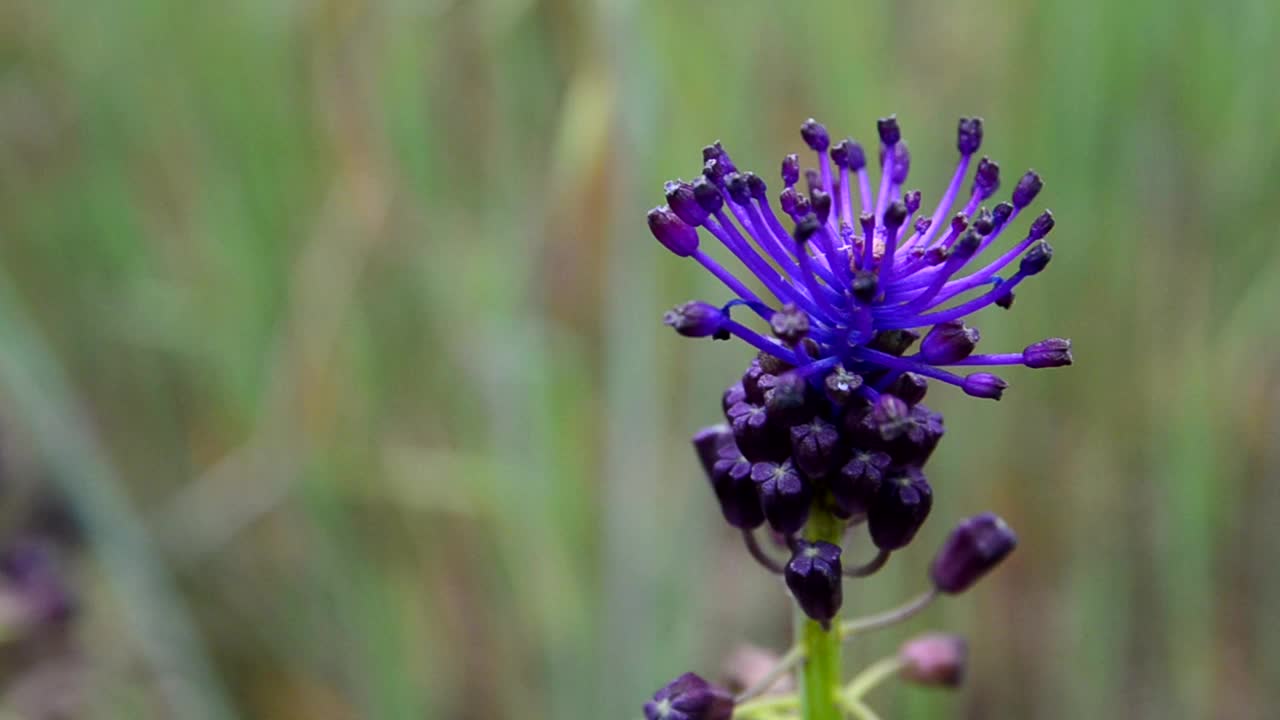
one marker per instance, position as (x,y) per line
(820,672)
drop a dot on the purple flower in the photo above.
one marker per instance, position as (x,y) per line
(814,577)
(934,659)
(689,697)
(784,495)
(859,262)
(972,549)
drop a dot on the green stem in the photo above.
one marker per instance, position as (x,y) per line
(820,673)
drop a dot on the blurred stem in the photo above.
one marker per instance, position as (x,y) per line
(765,706)
(793,656)
(820,672)
(875,674)
(888,617)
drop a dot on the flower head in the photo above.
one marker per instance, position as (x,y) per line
(689,697)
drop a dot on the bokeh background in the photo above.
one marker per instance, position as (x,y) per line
(331,365)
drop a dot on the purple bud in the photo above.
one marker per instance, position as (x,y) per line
(923,224)
(814,577)
(1005,300)
(972,549)
(966,245)
(784,495)
(987,178)
(696,319)
(867,222)
(1027,189)
(790,169)
(840,152)
(984,222)
(821,204)
(684,204)
(790,324)
(890,133)
(751,382)
(894,342)
(969,135)
(751,430)
(934,660)
(787,398)
(787,199)
(857,484)
(1036,259)
(771,364)
(912,201)
(813,180)
(1053,352)
(733,395)
(949,342)
(895,215)
(910,387)
(917,436)
(689,697)
(984,385)
(815,135)
(814,446)
(1000,214)
(806,228)
(714,170)
(715,151)
(901,163)
(857,158)
(1041,225)
(730,478)
(890,416)
(676,236)
(841,385)
(756,186)
(866,285)
(736,184)
(707,195)
(899,509)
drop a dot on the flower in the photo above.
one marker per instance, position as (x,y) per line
(935,659)
(972,549)
(689,697)
(814,577)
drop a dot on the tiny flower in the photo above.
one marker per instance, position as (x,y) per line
(949,342)
(789,324)
(814,577)
(899,509)
(790,169)
(972,549)
(909,387)
(784,495)
(689,697)
(752,431)
(815,135)
(969,136)
(858,482)
(984,385)
(729,474)
(841,385)
(814,446)
(934,659)
(1027,189)
(1053,352)
(672,232)
(683,202)
(697,319)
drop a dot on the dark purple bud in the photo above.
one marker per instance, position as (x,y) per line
(684,204)
(969,135)
(707,195)
(716,152)
(934,660)
(983,222)
(814,577)
(815,135)
(733,395)
(984,385)
(1027,189)
(689,697)
(1006,300)
(696,319)
(901,163)
(1041,226)
(715,171)
(787,199)
(813,180)
(790,169)
(736,184)
(894,342)
(751,430)
(912,201)
(936,255)
(966,245)
(899,509)
(917,437)
(784,495)
(806,228)
(707,442)
(894,216)
(814,446)
(1053,352)
(857,484)
(840,152)
(756,186)
(910,387)
(972,549)
(676,236)
(890,416)
(730,477)
(949,342)
(856,157)
(787,398)
(987,179)
(867,222)
(866,285)
(751,382)
(1000,214)
(841,385)
(790,324)
(772,364)
(923,224)
(890,133)
(821,202)
(1036,259)
(802,208)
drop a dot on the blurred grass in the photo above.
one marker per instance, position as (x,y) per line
(357,300)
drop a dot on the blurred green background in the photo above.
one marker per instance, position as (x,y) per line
(336,324)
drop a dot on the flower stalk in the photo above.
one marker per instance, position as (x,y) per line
(819,679)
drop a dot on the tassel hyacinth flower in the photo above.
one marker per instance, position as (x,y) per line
(857,293)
